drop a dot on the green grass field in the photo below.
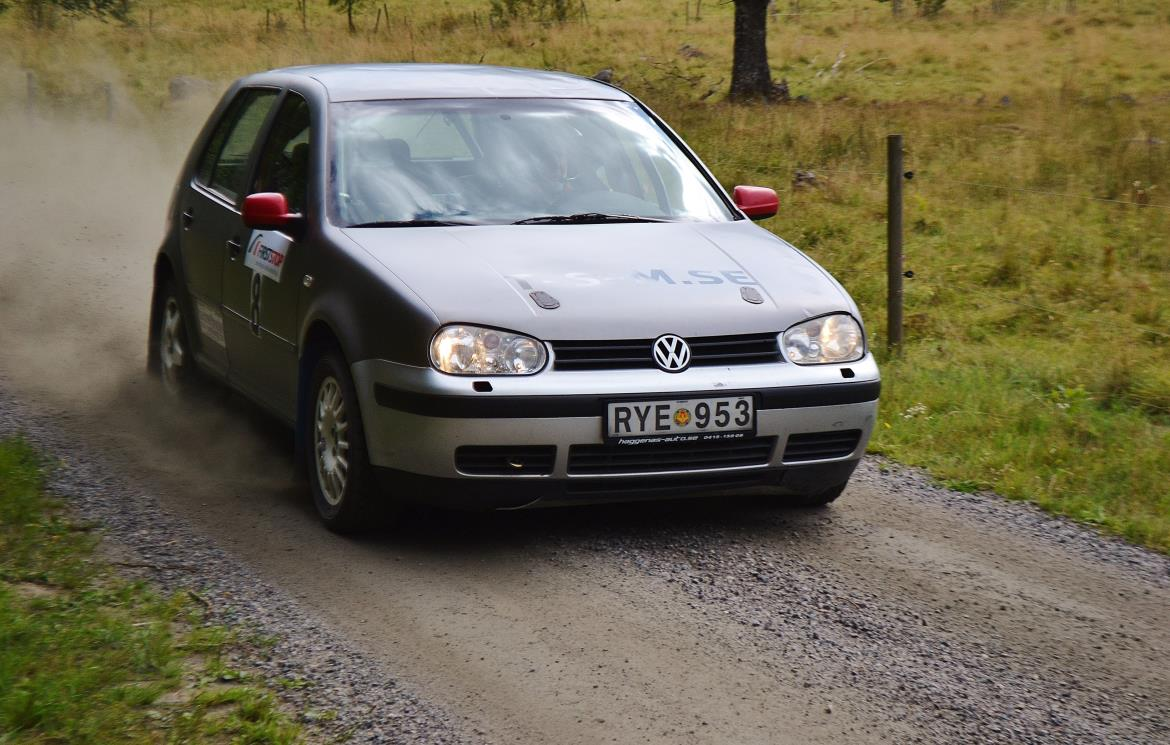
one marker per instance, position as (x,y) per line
(1038,321)
(87,657)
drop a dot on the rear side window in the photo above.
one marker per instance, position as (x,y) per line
(224,164)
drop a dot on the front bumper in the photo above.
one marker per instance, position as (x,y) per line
(415,419)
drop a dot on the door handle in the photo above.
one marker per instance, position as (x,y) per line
(233,247)
(188,218)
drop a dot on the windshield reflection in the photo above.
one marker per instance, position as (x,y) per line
(490,161)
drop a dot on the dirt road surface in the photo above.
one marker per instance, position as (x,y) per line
(903,613)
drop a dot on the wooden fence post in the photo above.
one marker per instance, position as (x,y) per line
(31,85)
(894,244)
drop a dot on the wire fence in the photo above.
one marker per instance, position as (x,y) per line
(805,174)
(1038,192)
(802,173)
(797,170)
(794,168)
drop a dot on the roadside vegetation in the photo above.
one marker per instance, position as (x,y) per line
(89,657)
(1037,360)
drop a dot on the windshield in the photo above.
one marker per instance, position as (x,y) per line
(492,161)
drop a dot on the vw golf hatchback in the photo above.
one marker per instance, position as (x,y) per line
(497,288)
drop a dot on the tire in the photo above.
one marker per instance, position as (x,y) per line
(816,499)
(176,360)
(340,477)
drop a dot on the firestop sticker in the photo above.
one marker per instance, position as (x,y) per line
(267,251)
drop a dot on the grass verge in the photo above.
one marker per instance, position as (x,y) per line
(89,657)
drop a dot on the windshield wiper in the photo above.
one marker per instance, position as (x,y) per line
(410,223)
(584,217)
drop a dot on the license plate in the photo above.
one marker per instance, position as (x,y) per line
(687,420)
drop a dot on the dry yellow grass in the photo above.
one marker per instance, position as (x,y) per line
(968,52)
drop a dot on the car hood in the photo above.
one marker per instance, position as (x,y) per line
(628,280)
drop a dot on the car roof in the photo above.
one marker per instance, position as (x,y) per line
(370,82)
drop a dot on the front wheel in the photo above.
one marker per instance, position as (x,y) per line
(340,476)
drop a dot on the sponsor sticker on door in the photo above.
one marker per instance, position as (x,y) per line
(210,322)
(266,253)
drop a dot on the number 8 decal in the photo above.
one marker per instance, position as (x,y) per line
(256,280)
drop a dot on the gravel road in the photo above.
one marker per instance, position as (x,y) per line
(903,613)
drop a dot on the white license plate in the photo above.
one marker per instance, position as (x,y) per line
(684,420)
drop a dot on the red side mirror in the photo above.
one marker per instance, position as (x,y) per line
(757,202)
(267,211)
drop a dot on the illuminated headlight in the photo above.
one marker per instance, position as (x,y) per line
(470,350)
(819,341)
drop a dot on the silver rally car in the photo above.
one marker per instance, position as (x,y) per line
(496,288)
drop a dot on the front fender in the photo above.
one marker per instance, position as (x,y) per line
(361,307)
(373,313)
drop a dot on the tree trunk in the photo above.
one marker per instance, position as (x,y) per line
(36,13)
(349,16)
(750,76)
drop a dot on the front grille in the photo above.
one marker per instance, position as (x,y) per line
(636,354)
(505,460)
(820,445)
(585,460)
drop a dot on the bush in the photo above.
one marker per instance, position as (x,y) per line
(42,13)
(929,8)
(558,11)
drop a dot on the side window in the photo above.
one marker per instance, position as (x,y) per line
(284,162)
(223,166)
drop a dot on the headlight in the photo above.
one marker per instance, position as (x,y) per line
(819,341)
(470,350)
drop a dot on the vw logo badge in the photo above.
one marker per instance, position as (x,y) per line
(672,353)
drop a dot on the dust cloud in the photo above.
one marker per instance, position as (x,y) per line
(82,213)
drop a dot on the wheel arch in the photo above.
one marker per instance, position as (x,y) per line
(163,273)
(318,338)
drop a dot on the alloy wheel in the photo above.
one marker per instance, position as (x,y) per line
(331,429)
(172,355)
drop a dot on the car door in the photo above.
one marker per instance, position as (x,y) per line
(260,309)
(210,215)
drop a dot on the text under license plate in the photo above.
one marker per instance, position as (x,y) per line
(688,420)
